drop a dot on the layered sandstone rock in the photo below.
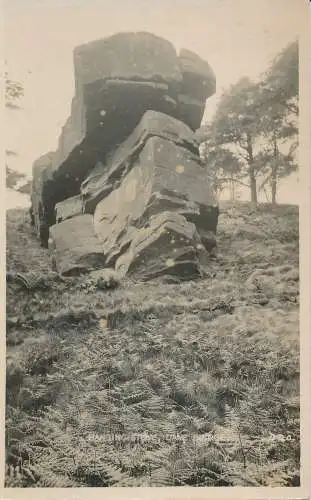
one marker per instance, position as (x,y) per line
(107,176)
(168,245)
(117,80)
(164,177)
(198,83)
(126,186)
(74,246)
(69,208)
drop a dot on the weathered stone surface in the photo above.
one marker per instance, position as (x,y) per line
(117,79)
(128,55)
(69,208)
(95,187)
(75,247)
(190,110)
(169,245)
(198,78)
(204,216)
(105,177)
(128,154)
(164,177)
(198,83)
(73,132)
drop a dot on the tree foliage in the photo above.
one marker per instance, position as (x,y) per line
(279,119)
(236,124)
(14,90)
(280,86)
(223,166)
(255,131)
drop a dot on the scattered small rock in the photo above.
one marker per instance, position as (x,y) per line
(104,279)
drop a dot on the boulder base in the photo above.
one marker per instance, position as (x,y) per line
(68,208)
(75,247)
(169,245)
(164,177)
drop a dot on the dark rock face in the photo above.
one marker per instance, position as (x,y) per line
(198,83)
(127,169)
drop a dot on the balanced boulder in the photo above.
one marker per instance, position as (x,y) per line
(126,188)
(117,79)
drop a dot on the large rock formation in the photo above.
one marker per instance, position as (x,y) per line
(127,157)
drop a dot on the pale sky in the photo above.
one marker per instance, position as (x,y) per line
(236,37)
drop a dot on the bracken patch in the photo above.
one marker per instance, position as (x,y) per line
(158,384)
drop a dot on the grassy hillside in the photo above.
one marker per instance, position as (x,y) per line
(157,384)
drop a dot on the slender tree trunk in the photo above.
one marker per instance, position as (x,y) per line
(266,194)
(274,171)
(251,172)
(273,191)
(232,190)
(253,185)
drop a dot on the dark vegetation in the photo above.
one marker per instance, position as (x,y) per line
(157,384)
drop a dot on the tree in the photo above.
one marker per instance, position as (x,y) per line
(223,167)
(281,82)
(274,163)
(278,100)
(13,92)
(257,122)
(277,166)
(236,126)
